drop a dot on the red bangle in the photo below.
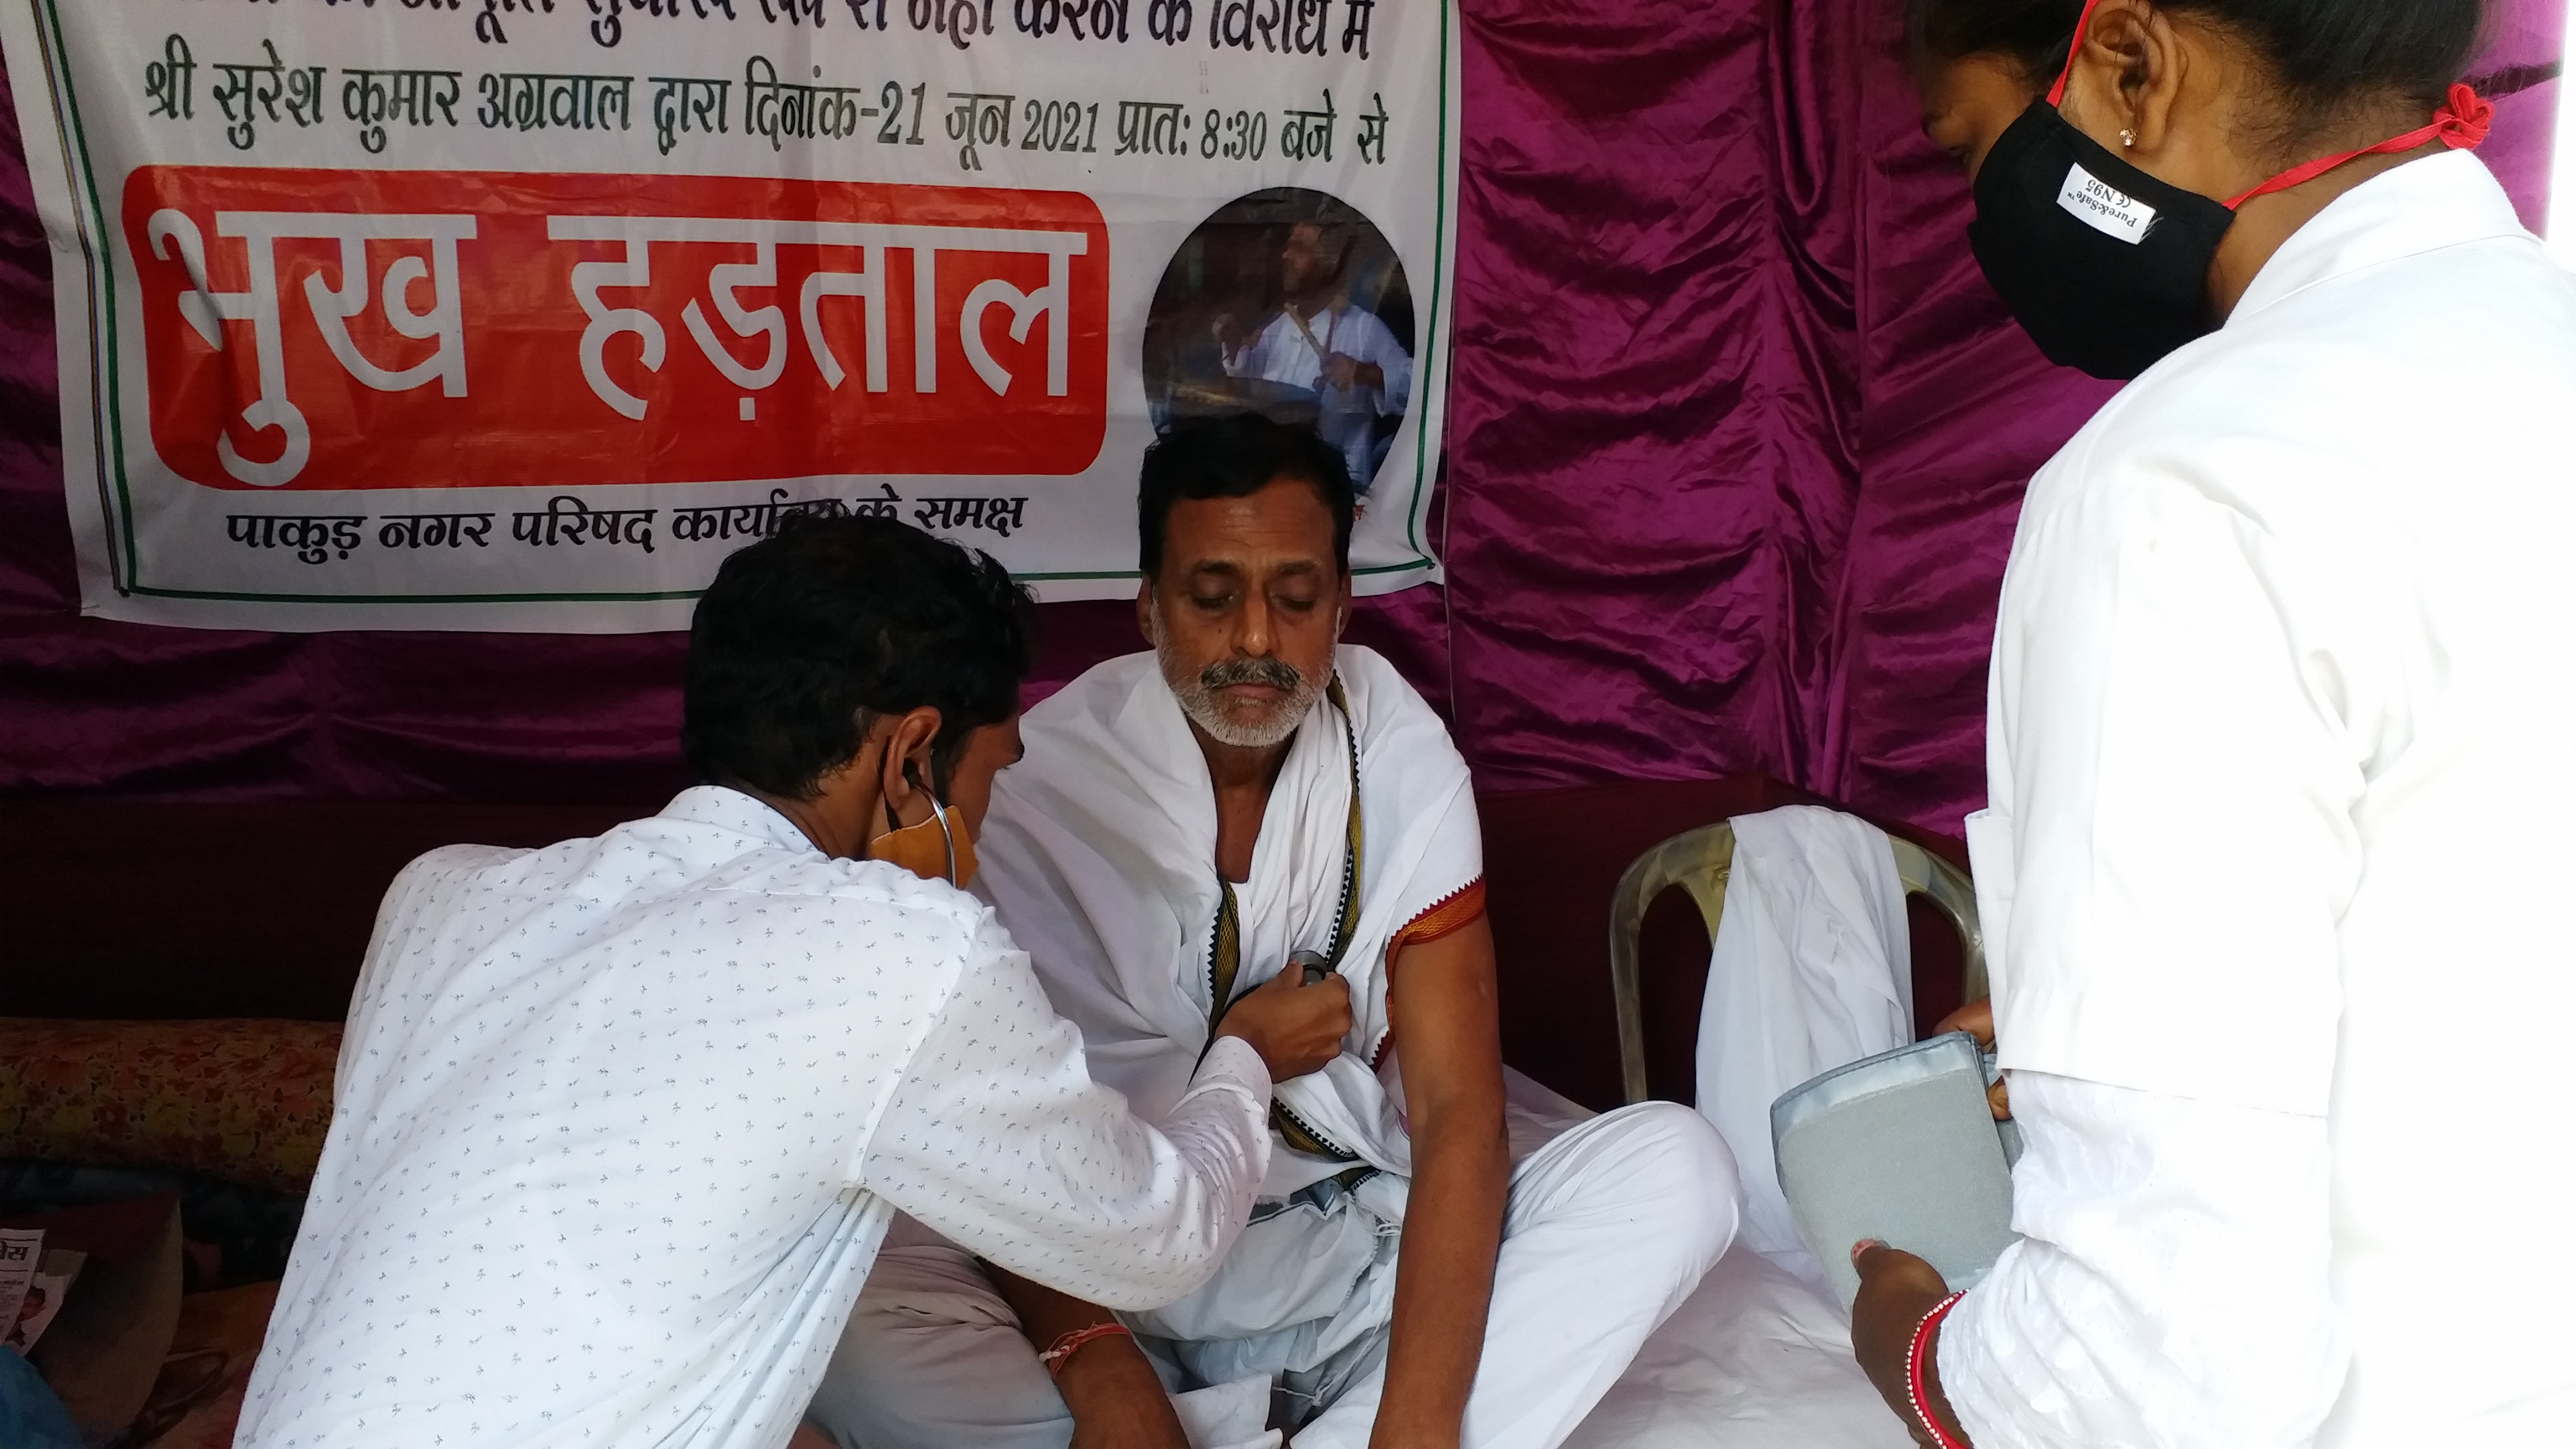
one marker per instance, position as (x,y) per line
(1914,1357)
(1062,1350)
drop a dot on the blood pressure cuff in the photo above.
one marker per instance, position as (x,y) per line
(1899,1147)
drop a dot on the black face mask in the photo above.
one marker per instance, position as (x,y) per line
(2104,266)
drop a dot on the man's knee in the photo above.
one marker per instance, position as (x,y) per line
(1676,1176)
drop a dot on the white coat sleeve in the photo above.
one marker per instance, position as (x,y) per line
(2177,698)
(2186,699)
(1373,341)
(2170,1287)
(998,1139)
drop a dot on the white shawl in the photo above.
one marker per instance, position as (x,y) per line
(1100,854)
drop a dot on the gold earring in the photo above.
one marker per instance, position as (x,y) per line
(2128,138)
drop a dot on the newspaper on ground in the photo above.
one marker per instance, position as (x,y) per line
(33,1283)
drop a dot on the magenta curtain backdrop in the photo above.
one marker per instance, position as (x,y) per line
(1738,440)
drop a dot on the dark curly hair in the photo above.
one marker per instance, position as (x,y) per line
(1236,456)
(807,637)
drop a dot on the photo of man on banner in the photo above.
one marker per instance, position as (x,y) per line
(1288,302)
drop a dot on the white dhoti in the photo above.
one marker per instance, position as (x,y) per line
(1609,1226)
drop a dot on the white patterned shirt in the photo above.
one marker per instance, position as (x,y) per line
(620,1123)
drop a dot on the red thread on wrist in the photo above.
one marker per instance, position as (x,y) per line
(1914,1357)
(1061,1352)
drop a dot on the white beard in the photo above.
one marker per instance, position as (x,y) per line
(1200,702)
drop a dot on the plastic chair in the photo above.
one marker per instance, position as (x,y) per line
(1699,861)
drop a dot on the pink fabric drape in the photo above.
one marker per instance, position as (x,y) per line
(1738,441)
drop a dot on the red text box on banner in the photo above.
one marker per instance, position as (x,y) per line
(314,329)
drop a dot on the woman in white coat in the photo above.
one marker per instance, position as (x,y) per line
(2282,822)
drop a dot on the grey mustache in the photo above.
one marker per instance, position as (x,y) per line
(1276,673)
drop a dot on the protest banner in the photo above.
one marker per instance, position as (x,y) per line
(521,314)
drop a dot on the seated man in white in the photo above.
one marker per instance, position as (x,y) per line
(620,1123)
(1251,802)
(1321,340)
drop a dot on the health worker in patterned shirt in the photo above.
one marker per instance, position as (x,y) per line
(621,1122)
(1255,802)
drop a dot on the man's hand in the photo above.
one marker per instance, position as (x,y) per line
(1896,1290)
(1297,1028)
(1116,1400)
(1977,1019)
(1341,371)
(1108,1384)
(1228,334)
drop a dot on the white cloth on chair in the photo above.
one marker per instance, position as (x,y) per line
(1811,969)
